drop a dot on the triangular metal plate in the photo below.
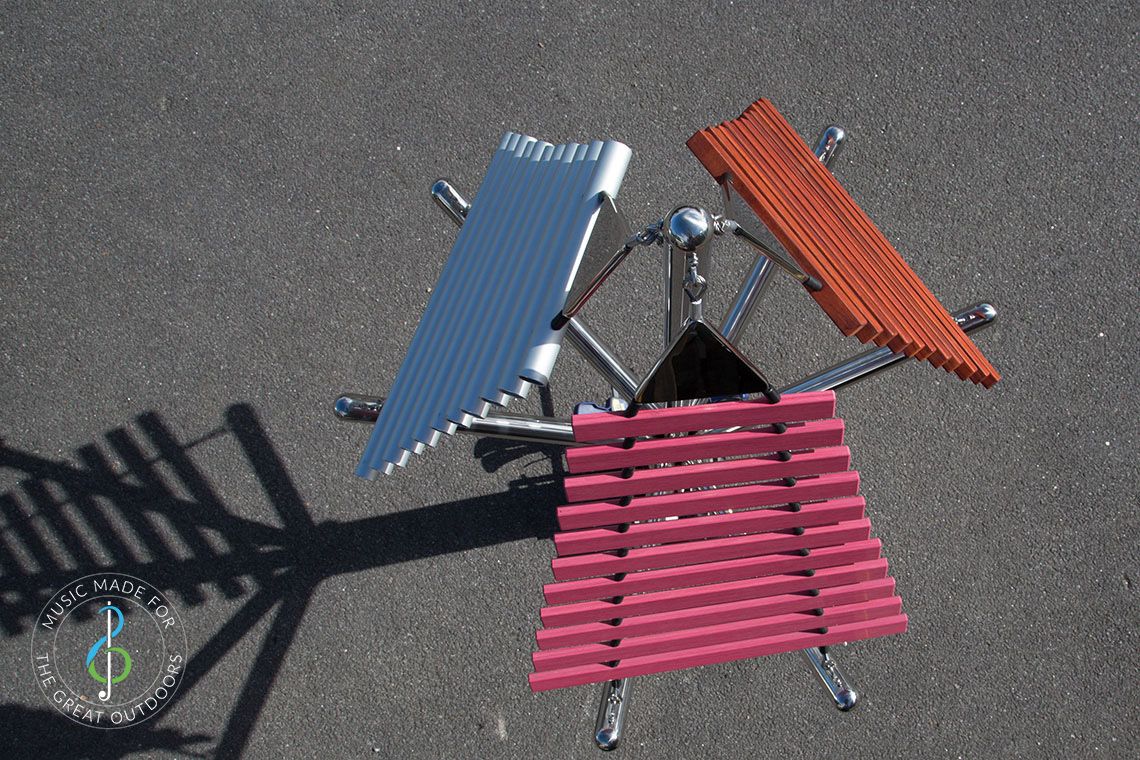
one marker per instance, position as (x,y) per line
(699,364)
(605,250)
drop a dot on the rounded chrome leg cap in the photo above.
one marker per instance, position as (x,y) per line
(606,739)
(846,700)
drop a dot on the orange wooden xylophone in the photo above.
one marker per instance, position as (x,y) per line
(868,290)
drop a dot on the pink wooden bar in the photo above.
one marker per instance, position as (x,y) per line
(716,633)
(724,612)
(793,407)
(712,526)
(652,451)
(667,560)
(674,555)
(609,485)
(716,653)
(601,513)
(585,592)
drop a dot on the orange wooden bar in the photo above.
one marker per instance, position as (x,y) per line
(868,289)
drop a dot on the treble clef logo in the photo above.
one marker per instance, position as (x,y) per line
(93,652)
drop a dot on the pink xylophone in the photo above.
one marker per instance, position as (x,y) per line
(669,561)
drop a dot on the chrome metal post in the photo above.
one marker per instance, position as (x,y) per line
(515,427)
(353,408)
(524,428)
(753,287)
(758,276)
(611,714)
(688,231)
(582,338)
(676,304)
(838,686)
(877,359)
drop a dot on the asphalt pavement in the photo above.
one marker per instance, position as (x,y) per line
(215,218)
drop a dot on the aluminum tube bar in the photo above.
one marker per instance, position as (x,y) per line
(486,336)
(581,337)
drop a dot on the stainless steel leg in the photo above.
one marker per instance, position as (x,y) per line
(582,338)
(611,713)
(676,305)
(838,686)
(356,408)
(829,143)
(449,199)
(877,359)
(753,287)
(515,427)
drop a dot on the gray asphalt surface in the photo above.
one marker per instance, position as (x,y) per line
(214,220)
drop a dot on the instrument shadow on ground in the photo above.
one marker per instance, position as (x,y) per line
(139,502)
